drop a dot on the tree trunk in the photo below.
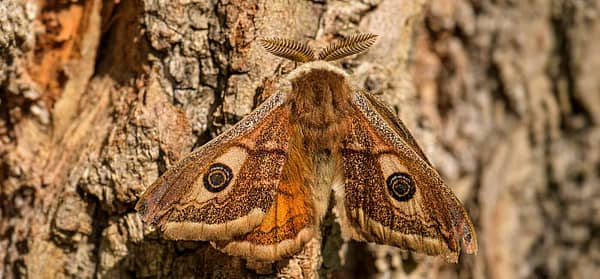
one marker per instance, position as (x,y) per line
(98,98)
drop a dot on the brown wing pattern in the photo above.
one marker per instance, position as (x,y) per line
(392,195)
(290,221)
(395,123)
(247,161)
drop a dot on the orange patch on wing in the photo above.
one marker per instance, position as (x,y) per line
(289,221)
(287,216)
(292,209)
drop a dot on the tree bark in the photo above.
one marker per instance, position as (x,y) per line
(98,98)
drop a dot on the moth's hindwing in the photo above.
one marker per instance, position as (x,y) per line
(290,221)
(392,195)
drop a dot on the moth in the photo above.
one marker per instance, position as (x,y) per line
(261,189)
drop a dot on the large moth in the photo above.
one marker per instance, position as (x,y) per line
(260,189)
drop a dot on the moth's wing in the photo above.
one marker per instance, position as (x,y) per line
(390,118)
(250,155)
(428,218)
(291,220)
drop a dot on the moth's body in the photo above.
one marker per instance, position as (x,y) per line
(319,103)
(261,189)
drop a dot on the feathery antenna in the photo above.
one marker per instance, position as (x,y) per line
(301,52)
(352,45)
(293,50)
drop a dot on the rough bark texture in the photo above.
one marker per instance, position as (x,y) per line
(98,98)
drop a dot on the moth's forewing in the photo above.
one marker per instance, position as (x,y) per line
(224,188)
(392,194)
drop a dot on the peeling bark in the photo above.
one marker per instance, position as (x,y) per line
(98,98)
